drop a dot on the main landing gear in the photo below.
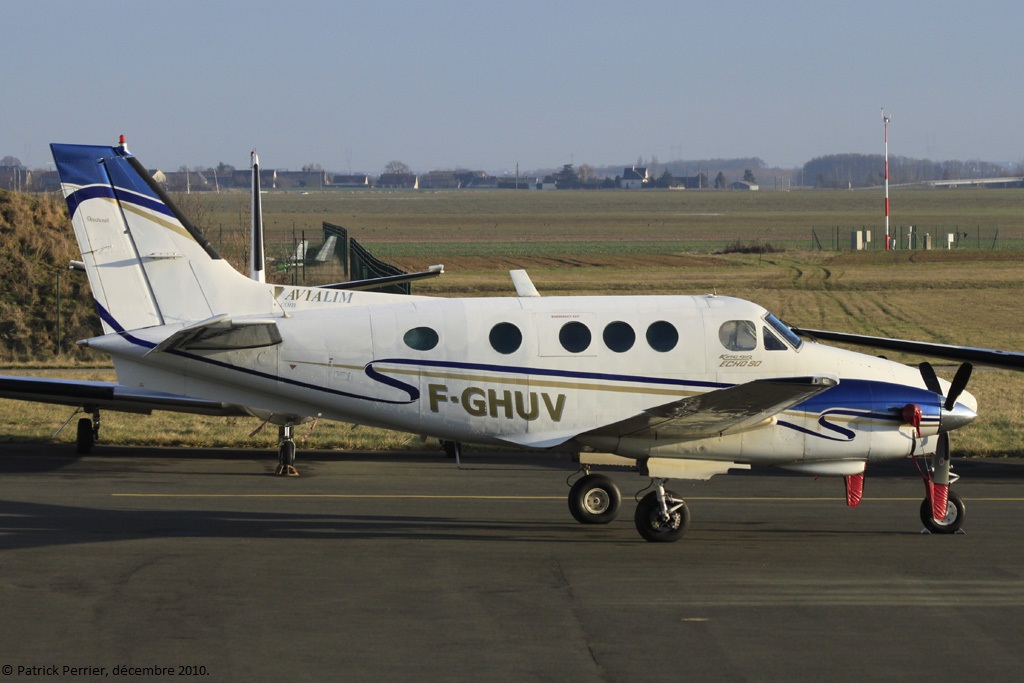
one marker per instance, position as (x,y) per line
(594,499)
(88,434)
(661,516)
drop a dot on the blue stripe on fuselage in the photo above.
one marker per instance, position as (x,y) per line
(856,398)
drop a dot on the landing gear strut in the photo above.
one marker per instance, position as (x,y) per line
(285,452)
(942,510)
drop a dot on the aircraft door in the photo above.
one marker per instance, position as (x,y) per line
(349,348)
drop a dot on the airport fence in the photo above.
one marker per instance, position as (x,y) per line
(338,258)
(846,238)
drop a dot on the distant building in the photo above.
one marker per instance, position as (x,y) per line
(46,181)
(694,182)
(634,178)
(182,181)
(358,180)
(744,185)
(17,178)
(439,180)
(403,181)
(242,177)
(302,179)
(513,183)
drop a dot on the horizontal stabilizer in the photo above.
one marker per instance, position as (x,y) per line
(109,396)
(220,333)
(720,412)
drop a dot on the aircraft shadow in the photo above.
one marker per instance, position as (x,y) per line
(36,525)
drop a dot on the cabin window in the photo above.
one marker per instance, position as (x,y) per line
(771,342)
(506,338)
(738,335)
(662,336)
(574,336)
(421,338)
(619,336)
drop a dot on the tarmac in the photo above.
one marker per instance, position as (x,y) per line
(130,563)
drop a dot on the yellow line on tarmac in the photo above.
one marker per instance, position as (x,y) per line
(402,496)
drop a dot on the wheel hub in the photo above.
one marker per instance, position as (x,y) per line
(596,501)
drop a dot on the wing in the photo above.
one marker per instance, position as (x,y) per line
(1008,360)
(110,396)
(720,412)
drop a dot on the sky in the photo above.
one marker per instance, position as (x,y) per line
(489,85)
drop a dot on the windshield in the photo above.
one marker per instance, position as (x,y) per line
(784,330)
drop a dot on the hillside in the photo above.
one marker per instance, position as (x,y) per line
(36,244)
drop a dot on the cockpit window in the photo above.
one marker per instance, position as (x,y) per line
(784,331)
(738,335)
(771,342)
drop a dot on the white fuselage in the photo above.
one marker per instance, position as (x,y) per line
(536,372)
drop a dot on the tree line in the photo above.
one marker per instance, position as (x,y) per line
(868,170)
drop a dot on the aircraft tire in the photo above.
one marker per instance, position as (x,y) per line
(594,499)
(955,511)
(84,436)
(651,525)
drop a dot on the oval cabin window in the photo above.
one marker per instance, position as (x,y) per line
(421,338)
(619,336)
(574,337)
(662,336)
(506,338)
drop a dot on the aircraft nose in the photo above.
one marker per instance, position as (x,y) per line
(963,413)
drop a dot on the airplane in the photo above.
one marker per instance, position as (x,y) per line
(675,386)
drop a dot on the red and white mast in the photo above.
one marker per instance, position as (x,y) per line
(885,122)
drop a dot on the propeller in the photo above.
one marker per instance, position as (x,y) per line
(956,387)
(938,485)
(931,380)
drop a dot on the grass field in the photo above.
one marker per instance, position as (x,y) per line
(422,225)
(643,243)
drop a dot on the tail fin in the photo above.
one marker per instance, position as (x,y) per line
(147,264)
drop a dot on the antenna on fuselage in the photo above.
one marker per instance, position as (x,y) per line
(256,257)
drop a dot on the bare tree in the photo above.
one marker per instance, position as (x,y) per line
(396,167)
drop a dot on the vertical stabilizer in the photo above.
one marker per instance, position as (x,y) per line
(147,264)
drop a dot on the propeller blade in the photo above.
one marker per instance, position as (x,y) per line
(960,379)
(931,380)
